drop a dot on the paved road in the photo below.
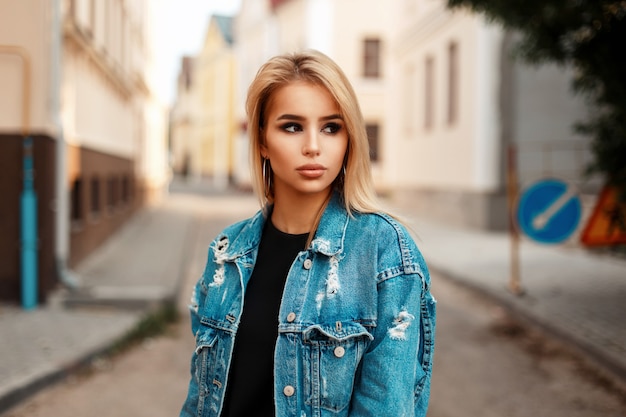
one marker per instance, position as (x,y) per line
(488,365)
(485,364)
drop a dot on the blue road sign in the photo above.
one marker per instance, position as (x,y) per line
(549,211)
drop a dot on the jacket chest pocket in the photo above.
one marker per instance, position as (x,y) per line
(332,356)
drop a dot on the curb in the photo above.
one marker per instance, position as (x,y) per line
(38,383)
(85,299)
(611,369)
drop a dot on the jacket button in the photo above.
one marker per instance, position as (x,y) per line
(308,263)
(339,351)
(289,390)
(291,317)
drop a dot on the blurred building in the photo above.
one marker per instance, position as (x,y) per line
(256,39)
(460,104)
(444,101)
(81,69)
(183,141)
(202,120)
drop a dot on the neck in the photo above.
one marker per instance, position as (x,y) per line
(298,214)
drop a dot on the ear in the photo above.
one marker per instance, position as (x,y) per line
(264,152)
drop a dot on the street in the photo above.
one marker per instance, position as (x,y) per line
(486,363)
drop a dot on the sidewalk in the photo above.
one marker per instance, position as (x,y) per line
(576,295)
(134,271)
(569,292)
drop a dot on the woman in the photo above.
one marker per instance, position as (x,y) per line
(319,305)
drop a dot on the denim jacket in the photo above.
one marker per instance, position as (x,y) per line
(356,323)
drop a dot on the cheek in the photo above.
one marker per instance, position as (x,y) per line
(280,156)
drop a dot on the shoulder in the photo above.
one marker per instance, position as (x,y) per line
(382,227)
(240,235)
(395,246)
(237,228)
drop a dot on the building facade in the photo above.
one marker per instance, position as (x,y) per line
(447,107)
(203,122)
(256,39)
(461,105)
(99,134)
(183,141)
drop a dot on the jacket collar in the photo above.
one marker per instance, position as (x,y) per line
(328,238)
(331,231)
(248,237)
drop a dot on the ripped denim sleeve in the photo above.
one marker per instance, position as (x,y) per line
(400,325)
(194,303)
(217,254)
(220,258)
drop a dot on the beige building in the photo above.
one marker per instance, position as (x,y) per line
(256,39)
(83,70)
(203,124)
(459,104)
(444,102)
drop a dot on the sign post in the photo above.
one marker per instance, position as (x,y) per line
(512,191)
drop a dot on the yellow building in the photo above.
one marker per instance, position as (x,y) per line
(203,123)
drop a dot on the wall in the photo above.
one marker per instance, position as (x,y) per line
(214,121)
(111,125)
(11,157)
(549,146)
(97,212)
(27,26)
(449,162)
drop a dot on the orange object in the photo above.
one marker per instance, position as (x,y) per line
(607,224)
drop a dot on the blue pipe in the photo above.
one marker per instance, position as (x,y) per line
(28,230)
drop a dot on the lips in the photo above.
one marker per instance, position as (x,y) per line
(311,170)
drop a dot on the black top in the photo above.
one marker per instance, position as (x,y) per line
(250,386)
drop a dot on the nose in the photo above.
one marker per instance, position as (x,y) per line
(311,146)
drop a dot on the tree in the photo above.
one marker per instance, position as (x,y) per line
(589,35)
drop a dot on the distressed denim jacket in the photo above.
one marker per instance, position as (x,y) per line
(356,323)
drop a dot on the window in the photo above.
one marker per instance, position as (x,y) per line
(92,15)
(106,33)
(429,93)
(80,11)
(111,193)
(95,196)
(371,58)
(373,139)
(125,190)
(409,107)
(76,201)
(453,83)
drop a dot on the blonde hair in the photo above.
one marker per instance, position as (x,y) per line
(356,184)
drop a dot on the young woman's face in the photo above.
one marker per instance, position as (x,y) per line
(305,139)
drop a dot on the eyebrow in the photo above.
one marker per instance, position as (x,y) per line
(302,118)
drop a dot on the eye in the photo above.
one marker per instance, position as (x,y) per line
(292,127)
(331,128)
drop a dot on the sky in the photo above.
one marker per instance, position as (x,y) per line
(179,29)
